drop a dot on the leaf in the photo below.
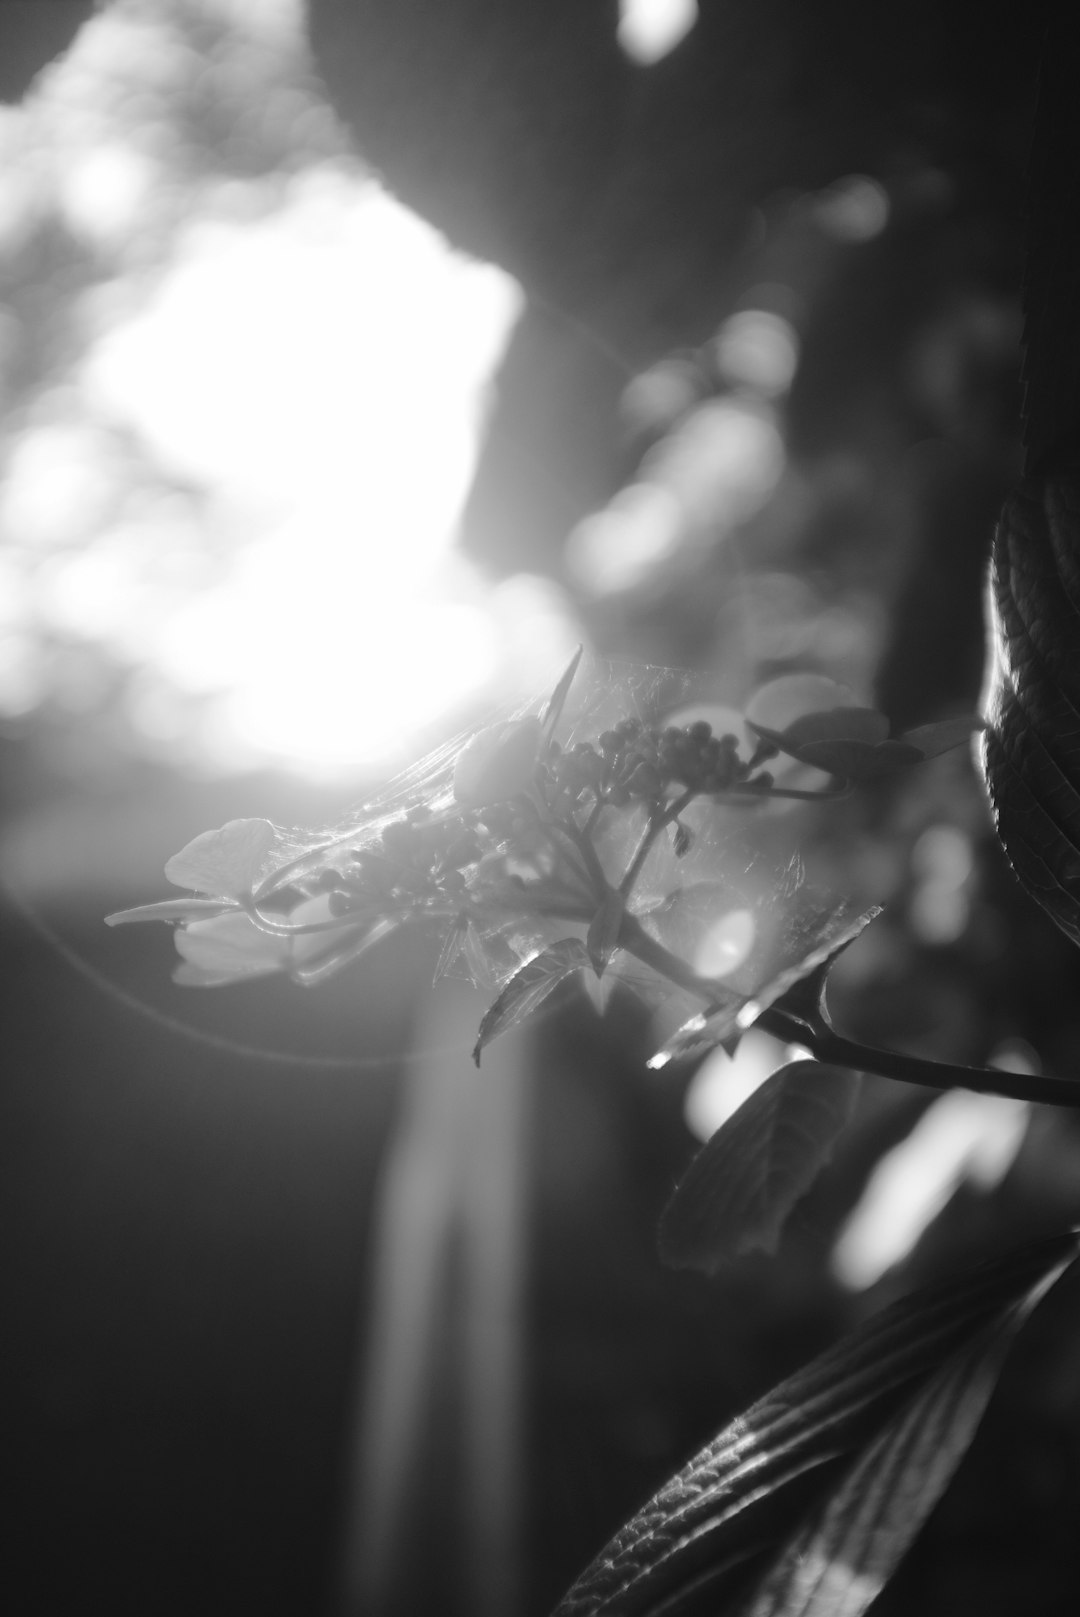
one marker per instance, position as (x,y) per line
(852,742)
(814,936)
(741,1186)
(842,1558)
(863,724)
(225,863)
(528,988)
(854,760)
(934,739)
(172,909)
(713,1529)
(603,934)
(1030,751)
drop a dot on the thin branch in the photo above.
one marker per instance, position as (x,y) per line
(829,1046)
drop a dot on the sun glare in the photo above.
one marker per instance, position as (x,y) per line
(324,373)
(650,29)
(243,489)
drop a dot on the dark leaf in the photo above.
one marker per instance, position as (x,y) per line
(855,760)
(841,1558)
(695,1546)
(862,724)
(852,742)
(603,934)
(1031,746)
(528,988)
(740,1188)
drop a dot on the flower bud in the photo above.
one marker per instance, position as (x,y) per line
(497,764)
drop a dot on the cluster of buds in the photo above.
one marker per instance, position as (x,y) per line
(635,762)
(416,860)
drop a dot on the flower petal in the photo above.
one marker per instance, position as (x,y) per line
(228,949)
(226,862)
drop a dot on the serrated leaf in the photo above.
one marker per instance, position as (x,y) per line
(740,1188)
(528,988)
(225,863)
(934,739)
(813,938)
(714,1528)
(603,933)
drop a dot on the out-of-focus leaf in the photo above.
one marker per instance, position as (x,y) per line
(741,1186)
(172,909)
(816,931)
(857,761)
(934,739)
(225,863)
(864,724)
(842,1558)
(701,1544)
(853,742)
(528,988)
(603,933)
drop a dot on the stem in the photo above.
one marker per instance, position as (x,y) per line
(636,941)
(832,1047)
(657,823)
(588,853)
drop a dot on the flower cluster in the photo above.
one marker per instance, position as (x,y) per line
(525,857)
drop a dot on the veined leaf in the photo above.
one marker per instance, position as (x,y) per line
(528,988)
(1030,750)
(706,1538)
(843,1556)
(741,1186)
